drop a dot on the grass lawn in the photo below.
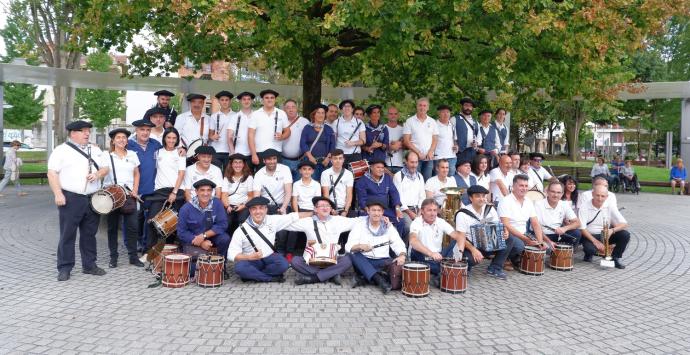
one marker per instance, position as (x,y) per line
(644,173)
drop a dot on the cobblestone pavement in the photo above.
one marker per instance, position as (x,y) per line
(643,308)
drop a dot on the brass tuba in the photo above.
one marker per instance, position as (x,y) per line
(450,206)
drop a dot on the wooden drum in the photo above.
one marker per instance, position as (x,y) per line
(532,262)
(415,279)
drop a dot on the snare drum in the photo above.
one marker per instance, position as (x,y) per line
(108,199)
(535,195)
(359,168)
(209,270)
(453,276)
(562,257)
(325,255)
(165,222)
(532,262)
(176,270)
(157,261)
(415,279)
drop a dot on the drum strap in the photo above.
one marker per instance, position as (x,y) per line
(258,232)
(538,176)
(474,128)
(316,230)
(82,153)
(248,238)
(595,217)
(270,195)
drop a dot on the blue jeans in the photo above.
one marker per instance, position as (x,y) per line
(434,266)
(263,270)
(6,179)
(426,168)
(451,165)
(292,164)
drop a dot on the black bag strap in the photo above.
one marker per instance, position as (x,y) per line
(316,230)
(248,238)
(487,209)
(236,188)
(538,176)
(595,217)
(474,128)
(87,156)
(258,232)
(112,163)
(270,195)
(467,212)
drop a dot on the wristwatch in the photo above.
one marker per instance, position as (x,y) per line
(204,236)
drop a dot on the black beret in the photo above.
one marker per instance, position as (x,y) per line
(377,202)
(485,111)
(115,131)
(316,199)
(204,182)
(477,189)
(466,100)
(372,107)
(143,123)
(78,125)
(245,93)
(536,155)
(318,106)
(376,161)
(257,201)
(157,111)
(205,149)
(163,93)
(191,97)
(463,162)
(443,107)
(237,156)
(348,101)
(305,163)
(224,93)
(268,91)
(268,153)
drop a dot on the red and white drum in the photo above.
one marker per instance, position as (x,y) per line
(209,270)
(359,168)
(165,222)
(532,262)
(157,261)
(453,276)
(415,279)
(562,257)
(108,199)
(176,270)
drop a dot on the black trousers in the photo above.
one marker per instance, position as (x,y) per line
(281,236)
(156,202)
(131,233)
(75,215)
(620,238)
(221,160)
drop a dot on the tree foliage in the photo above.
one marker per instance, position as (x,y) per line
(100,106)
(27,107)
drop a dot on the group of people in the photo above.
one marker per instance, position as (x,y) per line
(621,174)
(270,189)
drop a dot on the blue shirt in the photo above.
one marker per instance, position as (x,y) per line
(192,222)
(384,190)
(147,161)
(678,173)
(323,146)
(380,133)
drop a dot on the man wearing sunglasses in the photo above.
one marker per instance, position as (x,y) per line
(537,172)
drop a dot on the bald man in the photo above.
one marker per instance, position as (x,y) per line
(594,215)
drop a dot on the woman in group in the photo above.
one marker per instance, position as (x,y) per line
(124,171)
(170,168)
(12,164)
(317,141)
(480,166)
(236,190)
(376,136)
(570,192)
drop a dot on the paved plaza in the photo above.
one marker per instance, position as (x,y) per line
(642,309)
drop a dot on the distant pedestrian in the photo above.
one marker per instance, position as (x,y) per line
(11,166)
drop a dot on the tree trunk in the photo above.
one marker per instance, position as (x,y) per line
(550,142)
(650,134)
(573,123)
(312,75)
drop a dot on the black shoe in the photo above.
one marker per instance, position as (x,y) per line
(587,259)
(305,280)
(112,264)
(63,275)
(94,271)
(618,264)
(226,275)
(278,279)
(136,262)
(436,281)
(358,280)
(381,281)
(336,280)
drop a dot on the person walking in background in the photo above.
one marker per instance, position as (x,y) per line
(11,167)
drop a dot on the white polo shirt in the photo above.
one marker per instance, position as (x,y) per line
(446,141)
(434,185)
(344,129)
(168,166)
(395,134)
(553,217)
(329,230)
(362,233)
(518,213)
(238,191)
(431,235)
(271,224)
(124,169)
(267,124)
(421,133)
(463,222)
(586,196)
(305,192)
(538,177)
(274,183)
(412,192)
(495,175)
(189,127)
(291,145)
(242,143)
(73,167)
(593,222)
(338,194)
(192,175)
(221,122)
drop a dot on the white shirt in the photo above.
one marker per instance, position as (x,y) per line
(189,127)
(463,222)
(154,136)
(421,133)
(73,167)
(498,136)
(446,141)
(242,143)
(434,185)
(304,193)
(168,165)
(395,134)
(291,145)
(411,192)
(272,224)
(266,126)
(221,122)
(192,175)
(344,130)
(431,235)
(586,196)
(362,234)
(553,217)
(588,212)
(518,213)
(497,175)
(538,177)
(274,183)
(238,192)
(124,169)
(338,194)
(470,131)
(483,180)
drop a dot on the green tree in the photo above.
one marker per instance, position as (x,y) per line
(27,107)
(100,106)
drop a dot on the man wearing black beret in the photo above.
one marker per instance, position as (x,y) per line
(194,125)
(268,127)
(163,102)
(220,124)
